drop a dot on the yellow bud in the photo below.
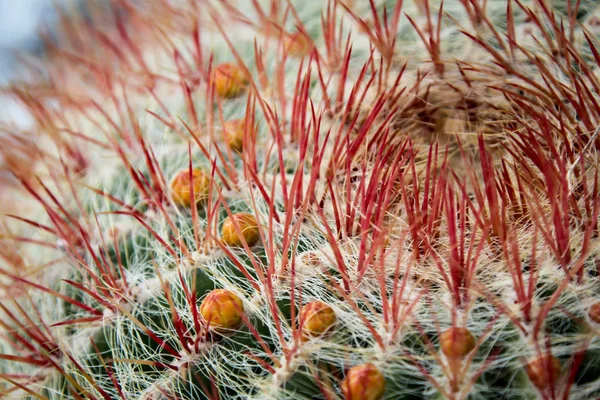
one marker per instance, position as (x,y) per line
(297,45)
(222,310)
(180,187)
(457,342)
(229,80)
(363,382)
(543,371)
(233,133)
(316,319)
(248,227)
(594,312)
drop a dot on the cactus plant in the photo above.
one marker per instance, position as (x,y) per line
(407,206)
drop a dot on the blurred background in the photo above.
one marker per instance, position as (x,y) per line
(20,21)
(19,24)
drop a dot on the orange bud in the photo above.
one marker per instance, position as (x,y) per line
(222,310)
(248,227)
(457,342)
(180,187)
(297,45)
(316,318)
(543,371)
(312,259)
(594,312)
(363,382)
(229,80)
(233,132)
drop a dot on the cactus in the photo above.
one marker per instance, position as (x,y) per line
(306,200)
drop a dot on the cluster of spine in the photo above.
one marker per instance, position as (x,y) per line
(356,200)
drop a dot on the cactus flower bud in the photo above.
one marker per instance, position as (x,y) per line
(316,319)
(248,227)
(233,133)
(180,187)
(363,382)
(594,312)
(311,259)
(229,80)
(297,45)
(543,371)
(222,310)
(457,342)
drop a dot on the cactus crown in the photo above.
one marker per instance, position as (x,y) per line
(306,200)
